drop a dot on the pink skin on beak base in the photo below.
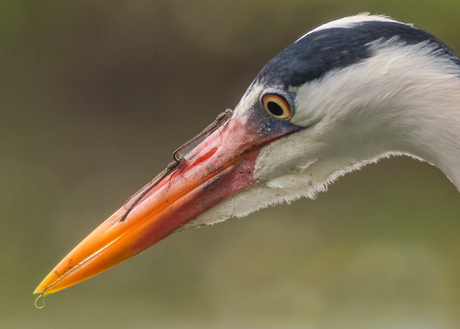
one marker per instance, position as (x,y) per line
(217,169)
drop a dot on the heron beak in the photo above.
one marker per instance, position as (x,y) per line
(218,168)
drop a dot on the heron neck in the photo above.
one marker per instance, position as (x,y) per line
(435,130)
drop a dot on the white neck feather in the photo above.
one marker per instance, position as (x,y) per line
(435,132)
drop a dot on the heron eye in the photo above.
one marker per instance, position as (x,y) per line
(277,106)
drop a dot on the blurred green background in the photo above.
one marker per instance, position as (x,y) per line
(95,97)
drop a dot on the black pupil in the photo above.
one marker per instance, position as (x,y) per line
(275,109)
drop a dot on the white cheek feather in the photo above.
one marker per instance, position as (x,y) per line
(381,106)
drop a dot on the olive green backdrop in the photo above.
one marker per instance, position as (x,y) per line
(95,95)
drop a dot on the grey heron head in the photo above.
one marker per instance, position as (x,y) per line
(343,95)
